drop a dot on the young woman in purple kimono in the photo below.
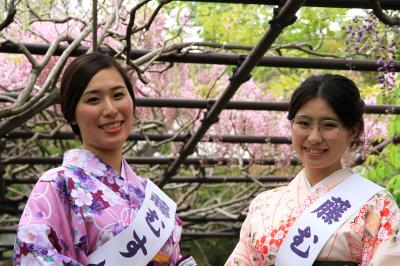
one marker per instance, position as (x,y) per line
(77,207)
(325,113)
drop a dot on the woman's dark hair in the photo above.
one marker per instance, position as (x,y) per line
(77,76)
(339,92)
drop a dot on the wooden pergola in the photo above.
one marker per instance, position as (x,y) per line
(284,16)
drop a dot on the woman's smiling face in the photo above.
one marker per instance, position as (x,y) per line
(315,151)
(104,113)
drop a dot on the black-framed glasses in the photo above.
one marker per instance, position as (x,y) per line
(328,128)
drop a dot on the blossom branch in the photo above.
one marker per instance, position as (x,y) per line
(24,108)
(247,194)
(109,23)
(130,28)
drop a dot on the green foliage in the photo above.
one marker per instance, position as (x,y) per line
(2,10)
(231,24)
(25,16)
(165,149)
(384,168)
(213,250)
(367,90)
(394,187)
(321,29)
(314,24)
(283,85)
(74,144)
(394,126)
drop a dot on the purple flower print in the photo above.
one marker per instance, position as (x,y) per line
(78,172)
(61,188)
(97,207)
(82,241)
(118,228)
(138,192)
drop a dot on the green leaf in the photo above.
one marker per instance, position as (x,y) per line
(25,15)
(2,10)
(394,187)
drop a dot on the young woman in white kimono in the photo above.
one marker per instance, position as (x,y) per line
(94,196)
(325,113)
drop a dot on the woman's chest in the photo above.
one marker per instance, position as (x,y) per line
(270,225)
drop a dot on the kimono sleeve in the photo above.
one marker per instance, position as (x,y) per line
(386,249)
(44,235)
(244,252)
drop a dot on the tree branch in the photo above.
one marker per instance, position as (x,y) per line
(108,24)
(13,122)
(382,16)
(94,27)
(11,11)
(23,109)
(301,46)
(131,29)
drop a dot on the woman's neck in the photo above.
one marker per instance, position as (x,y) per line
(315,175)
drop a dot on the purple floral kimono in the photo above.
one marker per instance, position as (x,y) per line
(75,208)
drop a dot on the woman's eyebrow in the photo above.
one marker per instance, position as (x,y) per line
(319,118)
(96,91)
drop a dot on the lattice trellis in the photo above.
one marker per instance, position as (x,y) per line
(284,16)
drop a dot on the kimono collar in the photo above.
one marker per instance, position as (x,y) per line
(123,173)
(89,162)
(330,181)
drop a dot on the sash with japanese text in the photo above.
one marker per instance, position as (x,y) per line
(144,237)
(314,227)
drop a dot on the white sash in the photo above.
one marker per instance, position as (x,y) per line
(314,227)
(144,237)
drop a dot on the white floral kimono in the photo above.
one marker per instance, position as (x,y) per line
(370,236)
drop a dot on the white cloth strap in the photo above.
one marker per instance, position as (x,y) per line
(314,227)
(146,234)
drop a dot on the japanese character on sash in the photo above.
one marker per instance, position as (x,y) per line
(151,216)
(133,246)
(332,210)
(298,240)
(161,205)
(98,264)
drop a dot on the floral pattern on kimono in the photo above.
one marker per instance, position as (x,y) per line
(77,207)
(371,235)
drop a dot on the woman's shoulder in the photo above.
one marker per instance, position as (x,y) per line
(52,174)
(383,198)
(272,192)
(133,178)
(51,181)
(384,194)
(267,197)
